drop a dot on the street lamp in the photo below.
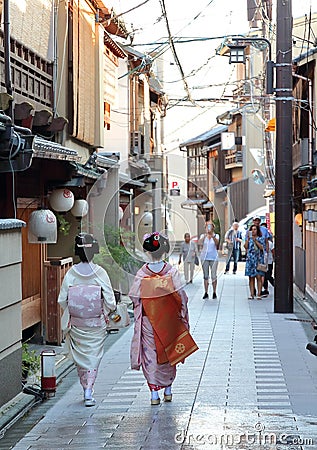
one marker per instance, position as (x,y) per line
(153,181)
(237,55)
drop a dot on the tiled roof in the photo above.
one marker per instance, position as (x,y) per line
(205,136)
(43,148)
(9,224)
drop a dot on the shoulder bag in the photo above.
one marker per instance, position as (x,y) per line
(262,266)
(119,318)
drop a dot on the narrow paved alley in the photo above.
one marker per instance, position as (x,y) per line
(251,385)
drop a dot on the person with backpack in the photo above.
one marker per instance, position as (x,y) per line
(233,239)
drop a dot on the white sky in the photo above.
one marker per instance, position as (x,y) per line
(215,18)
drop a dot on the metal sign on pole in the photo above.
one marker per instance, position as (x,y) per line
(283,292)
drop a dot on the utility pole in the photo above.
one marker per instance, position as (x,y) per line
(283,292)
(7,58)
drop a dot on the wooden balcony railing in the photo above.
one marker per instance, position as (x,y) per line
(234,159)
(32,76)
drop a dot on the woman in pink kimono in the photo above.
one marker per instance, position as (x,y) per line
(86,296)
(161,338)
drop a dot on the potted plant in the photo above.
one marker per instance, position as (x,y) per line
(118,259)
(31,362)
(63,224)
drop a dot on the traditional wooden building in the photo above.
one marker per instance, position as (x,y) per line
(207,176)
(51,126)
(305,173)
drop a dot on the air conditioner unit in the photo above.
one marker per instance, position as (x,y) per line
(135,143)
(304,151)
(246,90)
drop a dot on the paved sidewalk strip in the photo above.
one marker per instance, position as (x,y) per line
(237,392)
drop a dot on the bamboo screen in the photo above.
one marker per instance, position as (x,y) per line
(30,22)
(84,67)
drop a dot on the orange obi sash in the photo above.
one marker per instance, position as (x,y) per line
(162,305)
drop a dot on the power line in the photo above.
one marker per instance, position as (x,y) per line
(171,42)
(129,10)
(183,40)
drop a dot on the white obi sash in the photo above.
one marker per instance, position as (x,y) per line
(85,305)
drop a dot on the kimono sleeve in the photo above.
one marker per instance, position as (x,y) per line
(179,288)
(107,291)
(63,293)
(135,289)
(62,301)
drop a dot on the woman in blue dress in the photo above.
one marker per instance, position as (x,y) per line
(254,246)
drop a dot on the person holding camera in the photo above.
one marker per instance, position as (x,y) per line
(233,239)
(209,257)
(254,245)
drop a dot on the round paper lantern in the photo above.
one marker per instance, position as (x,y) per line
(120,213)
(80,208)
(62,200)
(299,219)
(146,219)
(42,227)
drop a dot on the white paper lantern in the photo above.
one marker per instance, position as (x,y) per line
(42,227)
(80,208)
(146,219)
(120,213)
(62,200)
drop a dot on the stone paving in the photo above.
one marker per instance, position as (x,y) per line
(251,385)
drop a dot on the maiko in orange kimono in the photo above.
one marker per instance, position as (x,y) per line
(161,333)
(162,305)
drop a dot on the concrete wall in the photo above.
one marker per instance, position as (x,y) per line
(117,139)
(103,201)
(254,133)
(10,309)
(182,220)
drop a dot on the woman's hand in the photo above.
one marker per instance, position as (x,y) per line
(260,246)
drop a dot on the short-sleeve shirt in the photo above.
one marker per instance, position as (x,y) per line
(188,251)
(231,235)
(265,232)
(270,255)
(209,251)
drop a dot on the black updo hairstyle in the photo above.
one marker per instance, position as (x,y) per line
(156,244)
(86,247)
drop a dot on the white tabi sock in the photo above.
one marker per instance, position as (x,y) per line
(168,390)
(154,395)
(88,394)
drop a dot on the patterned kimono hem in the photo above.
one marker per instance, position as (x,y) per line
(155,387)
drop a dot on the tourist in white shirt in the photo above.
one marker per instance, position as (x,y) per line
(209,257)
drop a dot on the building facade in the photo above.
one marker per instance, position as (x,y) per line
(53,101)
